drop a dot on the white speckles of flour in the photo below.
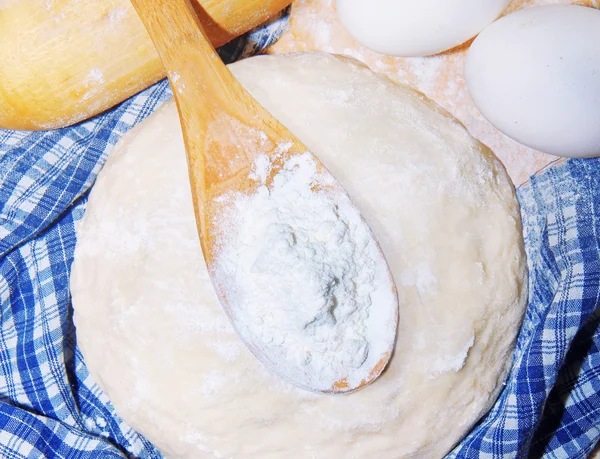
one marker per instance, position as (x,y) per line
(175,77)
(95,76)
(93,82)
(444,363)
(311,288)
(116,16)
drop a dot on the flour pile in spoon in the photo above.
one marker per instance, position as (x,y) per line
(305,277)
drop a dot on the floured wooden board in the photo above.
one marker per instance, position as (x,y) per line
(314,25)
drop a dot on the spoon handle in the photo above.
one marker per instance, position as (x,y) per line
(224,128)
(206,93)
(194,68)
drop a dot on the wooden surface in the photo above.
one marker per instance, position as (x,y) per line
(314,25)
(63,61)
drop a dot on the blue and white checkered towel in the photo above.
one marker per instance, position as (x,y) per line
(50,407)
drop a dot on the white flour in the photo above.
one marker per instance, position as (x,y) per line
(313,289)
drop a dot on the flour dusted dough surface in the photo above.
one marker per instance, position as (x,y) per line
(444,211)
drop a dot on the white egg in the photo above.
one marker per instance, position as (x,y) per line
(535,75)
(416,27)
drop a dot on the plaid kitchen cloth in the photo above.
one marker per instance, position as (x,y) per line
(50,406)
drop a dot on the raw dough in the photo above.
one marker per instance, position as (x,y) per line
(439,202)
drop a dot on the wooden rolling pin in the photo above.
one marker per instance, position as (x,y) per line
(63,61)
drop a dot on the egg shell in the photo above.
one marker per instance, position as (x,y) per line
(416,27)
(535,75)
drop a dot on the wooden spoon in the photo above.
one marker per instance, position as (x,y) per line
(224,131)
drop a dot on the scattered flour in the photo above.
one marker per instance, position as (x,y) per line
(95,76)
(116,16)
(312,288)
(175,77)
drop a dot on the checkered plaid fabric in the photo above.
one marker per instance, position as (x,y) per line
(550,406)
(51,407)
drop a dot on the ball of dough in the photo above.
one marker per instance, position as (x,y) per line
(416,27)
(443,209)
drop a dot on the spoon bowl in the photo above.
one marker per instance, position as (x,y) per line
(238,152)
